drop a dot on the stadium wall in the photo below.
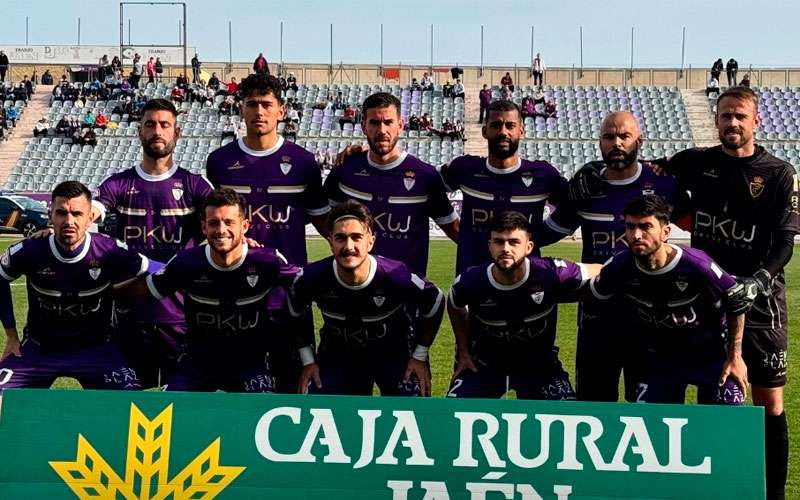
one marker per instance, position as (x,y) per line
(693,78)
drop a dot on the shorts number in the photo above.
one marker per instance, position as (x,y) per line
(640,392)
(5,375)
(456,384)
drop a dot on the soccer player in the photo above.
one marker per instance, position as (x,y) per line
(500,314)
(70,277)
(400,191)
(158,207)
(226,287)
(503,181)
(363,300)
(745,216)
(282,185)
(604,348)
(688,311)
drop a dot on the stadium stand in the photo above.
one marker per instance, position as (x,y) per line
(780,116)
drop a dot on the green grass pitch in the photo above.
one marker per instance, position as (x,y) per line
(440,271)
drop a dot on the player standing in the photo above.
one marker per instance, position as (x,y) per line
(70,277)
(500,315)
(282,185)
(744,208)
(363,300)
(158,207)
(687,310)
(226,286)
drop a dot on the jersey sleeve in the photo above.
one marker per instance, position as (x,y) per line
(449,174)
(168,279)
(316,201)
(571,275)
(424,294)
(564,220)
(211,171)
(202,189)
(14,262)
(299,298)
(787,202)
(439,206)
(331,189)
(127,264)
(105,197)
(605,285)
(459,296)
(717,280)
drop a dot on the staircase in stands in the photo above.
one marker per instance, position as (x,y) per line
(12,149)
(476,144)
(698,110)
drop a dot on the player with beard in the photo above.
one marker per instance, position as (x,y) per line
(503,181)
(282,184)
(363,300)
(500,312)
(689,311)
(226,286)
(604,350)
(70,276)
(157,205)
(744,207)
(400,191)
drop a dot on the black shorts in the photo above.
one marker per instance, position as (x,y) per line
(764,352)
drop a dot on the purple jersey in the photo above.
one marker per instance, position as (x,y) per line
(682,304)
(600,219)
(402,196)
(507,319)
(375,309)
(487,191)
(70,293)
(157,215)
(283,187)
(224,302)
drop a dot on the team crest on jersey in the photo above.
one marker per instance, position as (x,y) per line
(527,179)
(756,186)
(94,271)
(409,179)
(236,166)
(252,279)
(647,188)
(362,173)
(682,285)
(286,164)
(379,300)
(177,193)
(538,297)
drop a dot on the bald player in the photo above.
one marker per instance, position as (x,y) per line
(604,348)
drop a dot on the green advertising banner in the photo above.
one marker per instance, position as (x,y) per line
(154,445)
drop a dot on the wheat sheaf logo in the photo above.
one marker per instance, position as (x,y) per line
(146,466)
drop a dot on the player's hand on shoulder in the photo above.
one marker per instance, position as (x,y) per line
(586,182)
(253,243)
(350,150)
(42,233)
(309,374)
(423,374)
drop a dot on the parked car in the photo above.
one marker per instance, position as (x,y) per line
(20,214)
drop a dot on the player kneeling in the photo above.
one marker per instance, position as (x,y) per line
(500,315)
(363,300)
(226,288)
(684,305)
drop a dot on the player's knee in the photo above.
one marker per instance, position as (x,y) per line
(771,398)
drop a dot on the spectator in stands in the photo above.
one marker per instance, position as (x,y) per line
(415,85)
(88,119)
(11,116)
(713,86)
(182,81)
(196,68)
(291,82)
(507,81)
(260,65)
(159,69)
(103,67)
(89,138)
(151,70)
(330,158)
(537,70)
(484,98)
(177,95)
(125,86)
(447,89)
(448,129)
(2,124)
(458,89)
(57,93)
(413,122)
(292,115)
(77,136)
(550,109)
(62,127)
(47,77)
(4,64)
(745,80)
(459,131)
(213,82)
(282,81)
(527,106)
(319,157)
(349,116)
(290,130)
(230,129)
(41,127)
(116,64)
(731,68)
(716,68)
(111,81)
(425,124)
(228,105)
(338,102)
(506,94)
(28,85)
(136,71)
(101,121)
(64,80)
(233,87)
(538,97)
(427,82)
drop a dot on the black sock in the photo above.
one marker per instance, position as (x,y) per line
(776,440)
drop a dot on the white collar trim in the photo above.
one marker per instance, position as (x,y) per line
(155,178)
(231,268)
(506,288)
(503,171)
(623,182)
(669,267)
(400,159)
(87,242)
(373,268)
(263,152)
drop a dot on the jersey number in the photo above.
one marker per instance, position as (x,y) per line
(5,375)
